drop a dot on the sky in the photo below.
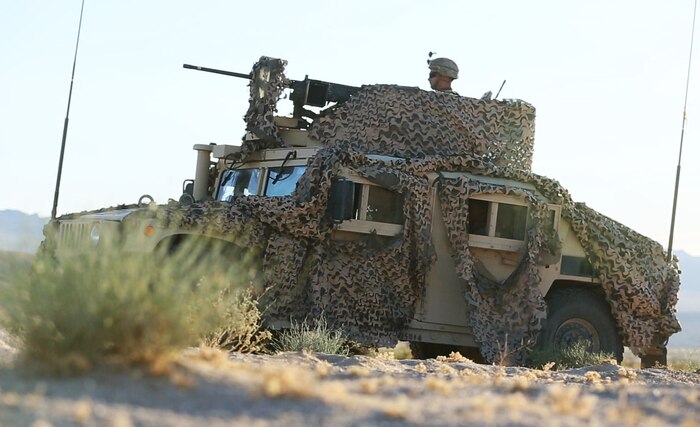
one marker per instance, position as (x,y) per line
(607,79)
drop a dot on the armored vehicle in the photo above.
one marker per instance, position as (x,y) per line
(401,214)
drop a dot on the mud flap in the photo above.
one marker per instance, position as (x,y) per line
(658,358)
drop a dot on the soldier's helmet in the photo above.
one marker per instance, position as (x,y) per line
(444,66)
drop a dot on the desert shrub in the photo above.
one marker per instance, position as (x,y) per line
(241,330)
(684,359)
(576,355)
(402,351)
(110,306)
(13,263)
(315,337)
(685,365)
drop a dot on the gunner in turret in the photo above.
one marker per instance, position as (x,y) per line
(442,72)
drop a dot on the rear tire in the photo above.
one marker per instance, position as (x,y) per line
(580,315)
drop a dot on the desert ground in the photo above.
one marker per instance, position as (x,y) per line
(212,388)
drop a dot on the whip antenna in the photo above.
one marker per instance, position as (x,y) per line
(65,122)
(669,255)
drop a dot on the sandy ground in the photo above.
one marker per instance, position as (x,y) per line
(209,388)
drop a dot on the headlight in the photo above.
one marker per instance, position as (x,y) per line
(95,234)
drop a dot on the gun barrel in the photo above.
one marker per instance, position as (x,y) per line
(316,93)
(215,71)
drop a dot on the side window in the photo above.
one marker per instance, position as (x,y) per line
(361,208)
(510,221)
(552,218)
(384,205)
(490,222)
(478,217)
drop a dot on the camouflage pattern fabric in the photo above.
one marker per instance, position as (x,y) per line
(411,123)
(367,287)
(370,287)
(266,87)
(506,314)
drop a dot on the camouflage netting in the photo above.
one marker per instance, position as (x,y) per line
(266,87)
(370,287)
(516,302)
(412,123)
(308,274)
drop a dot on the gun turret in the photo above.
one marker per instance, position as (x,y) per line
(315,93)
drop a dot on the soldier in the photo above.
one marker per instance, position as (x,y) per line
(442,72)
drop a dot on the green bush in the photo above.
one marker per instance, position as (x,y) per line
(315,337)
(109,306)
(12,263)
(576,355)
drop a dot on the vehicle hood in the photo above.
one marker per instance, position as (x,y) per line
(110,215)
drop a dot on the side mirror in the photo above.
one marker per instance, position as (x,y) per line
(188,187)
(187,190)
(341,200)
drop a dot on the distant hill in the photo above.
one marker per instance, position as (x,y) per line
(20,232)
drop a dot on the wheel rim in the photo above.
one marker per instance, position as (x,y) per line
(575,330)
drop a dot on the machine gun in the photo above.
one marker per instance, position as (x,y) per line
(315,93)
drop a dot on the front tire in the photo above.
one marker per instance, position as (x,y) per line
(580,315)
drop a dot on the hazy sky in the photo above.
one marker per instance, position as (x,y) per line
(607,79)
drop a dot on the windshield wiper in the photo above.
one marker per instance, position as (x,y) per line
(284,162)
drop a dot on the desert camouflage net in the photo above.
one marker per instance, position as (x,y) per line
(266,87)
(370,287)
(412,123)
(516,304)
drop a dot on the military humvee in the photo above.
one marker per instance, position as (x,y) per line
(398,213)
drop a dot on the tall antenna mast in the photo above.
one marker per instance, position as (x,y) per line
(65,122)
(669,254)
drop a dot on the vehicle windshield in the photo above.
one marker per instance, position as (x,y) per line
(238,182)
(281,181)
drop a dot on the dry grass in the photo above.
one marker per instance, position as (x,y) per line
(576,355)
(314,336)
(684,359)
(402,351)
(108,306)
(507,355)
(242,330)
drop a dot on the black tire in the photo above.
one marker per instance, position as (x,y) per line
(580,315)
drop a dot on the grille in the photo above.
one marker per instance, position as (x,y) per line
(74,235)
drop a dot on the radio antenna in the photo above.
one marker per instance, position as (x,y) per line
(65,122)
(500,89)
(669,255)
